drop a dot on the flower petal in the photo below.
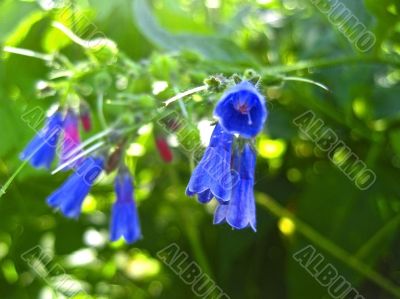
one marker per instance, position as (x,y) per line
(242,110)
(41,150)
(124,220)
(214,171)
(70,196)
(240,211)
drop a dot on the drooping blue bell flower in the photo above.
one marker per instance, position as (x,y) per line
(240,211)
(125,219)
(212,176)
(71,139)
(42,149)
(241,110)
(69,197)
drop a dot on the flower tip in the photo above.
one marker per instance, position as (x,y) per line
(70,214)
(188,192)
(57,205)
(130,241)
(127,237)
(124,219)
(127,240)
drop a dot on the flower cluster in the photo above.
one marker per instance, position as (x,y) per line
(68,199)
(226,170)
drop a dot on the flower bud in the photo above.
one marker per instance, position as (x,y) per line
(164,149)
(84,115)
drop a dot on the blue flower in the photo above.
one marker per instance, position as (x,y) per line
(71,139)
(41,150)
(212,176)
(240,212)
(69,197)
(124,219)
(242,110)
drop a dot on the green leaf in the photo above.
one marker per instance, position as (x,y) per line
(211,47)
(23,14)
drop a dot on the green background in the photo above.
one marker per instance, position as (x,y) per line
(302,198)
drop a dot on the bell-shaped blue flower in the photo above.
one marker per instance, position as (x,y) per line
(240,212)
(42,149)
(124,219)
(212,176)
(69,197)
(242,110)
(71,139)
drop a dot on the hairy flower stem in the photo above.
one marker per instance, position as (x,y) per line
(184,94)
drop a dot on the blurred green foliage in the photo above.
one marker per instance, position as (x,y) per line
(182,42)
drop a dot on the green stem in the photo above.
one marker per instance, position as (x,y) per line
(299,79)
(28,53)
(376,240)
(192,232)
(11,179)
(195,243)
(183,108)
(330,247)
(185,93)
(324,63)
(100,110)
(76,39)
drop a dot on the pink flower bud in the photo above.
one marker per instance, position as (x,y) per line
(84,114)
(164,149)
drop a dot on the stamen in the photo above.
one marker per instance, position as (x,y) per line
(249,118)
(242,108)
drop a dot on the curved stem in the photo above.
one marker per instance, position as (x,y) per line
(87,44)
(330,247)
(76,39)
(299,79)
(185,93)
